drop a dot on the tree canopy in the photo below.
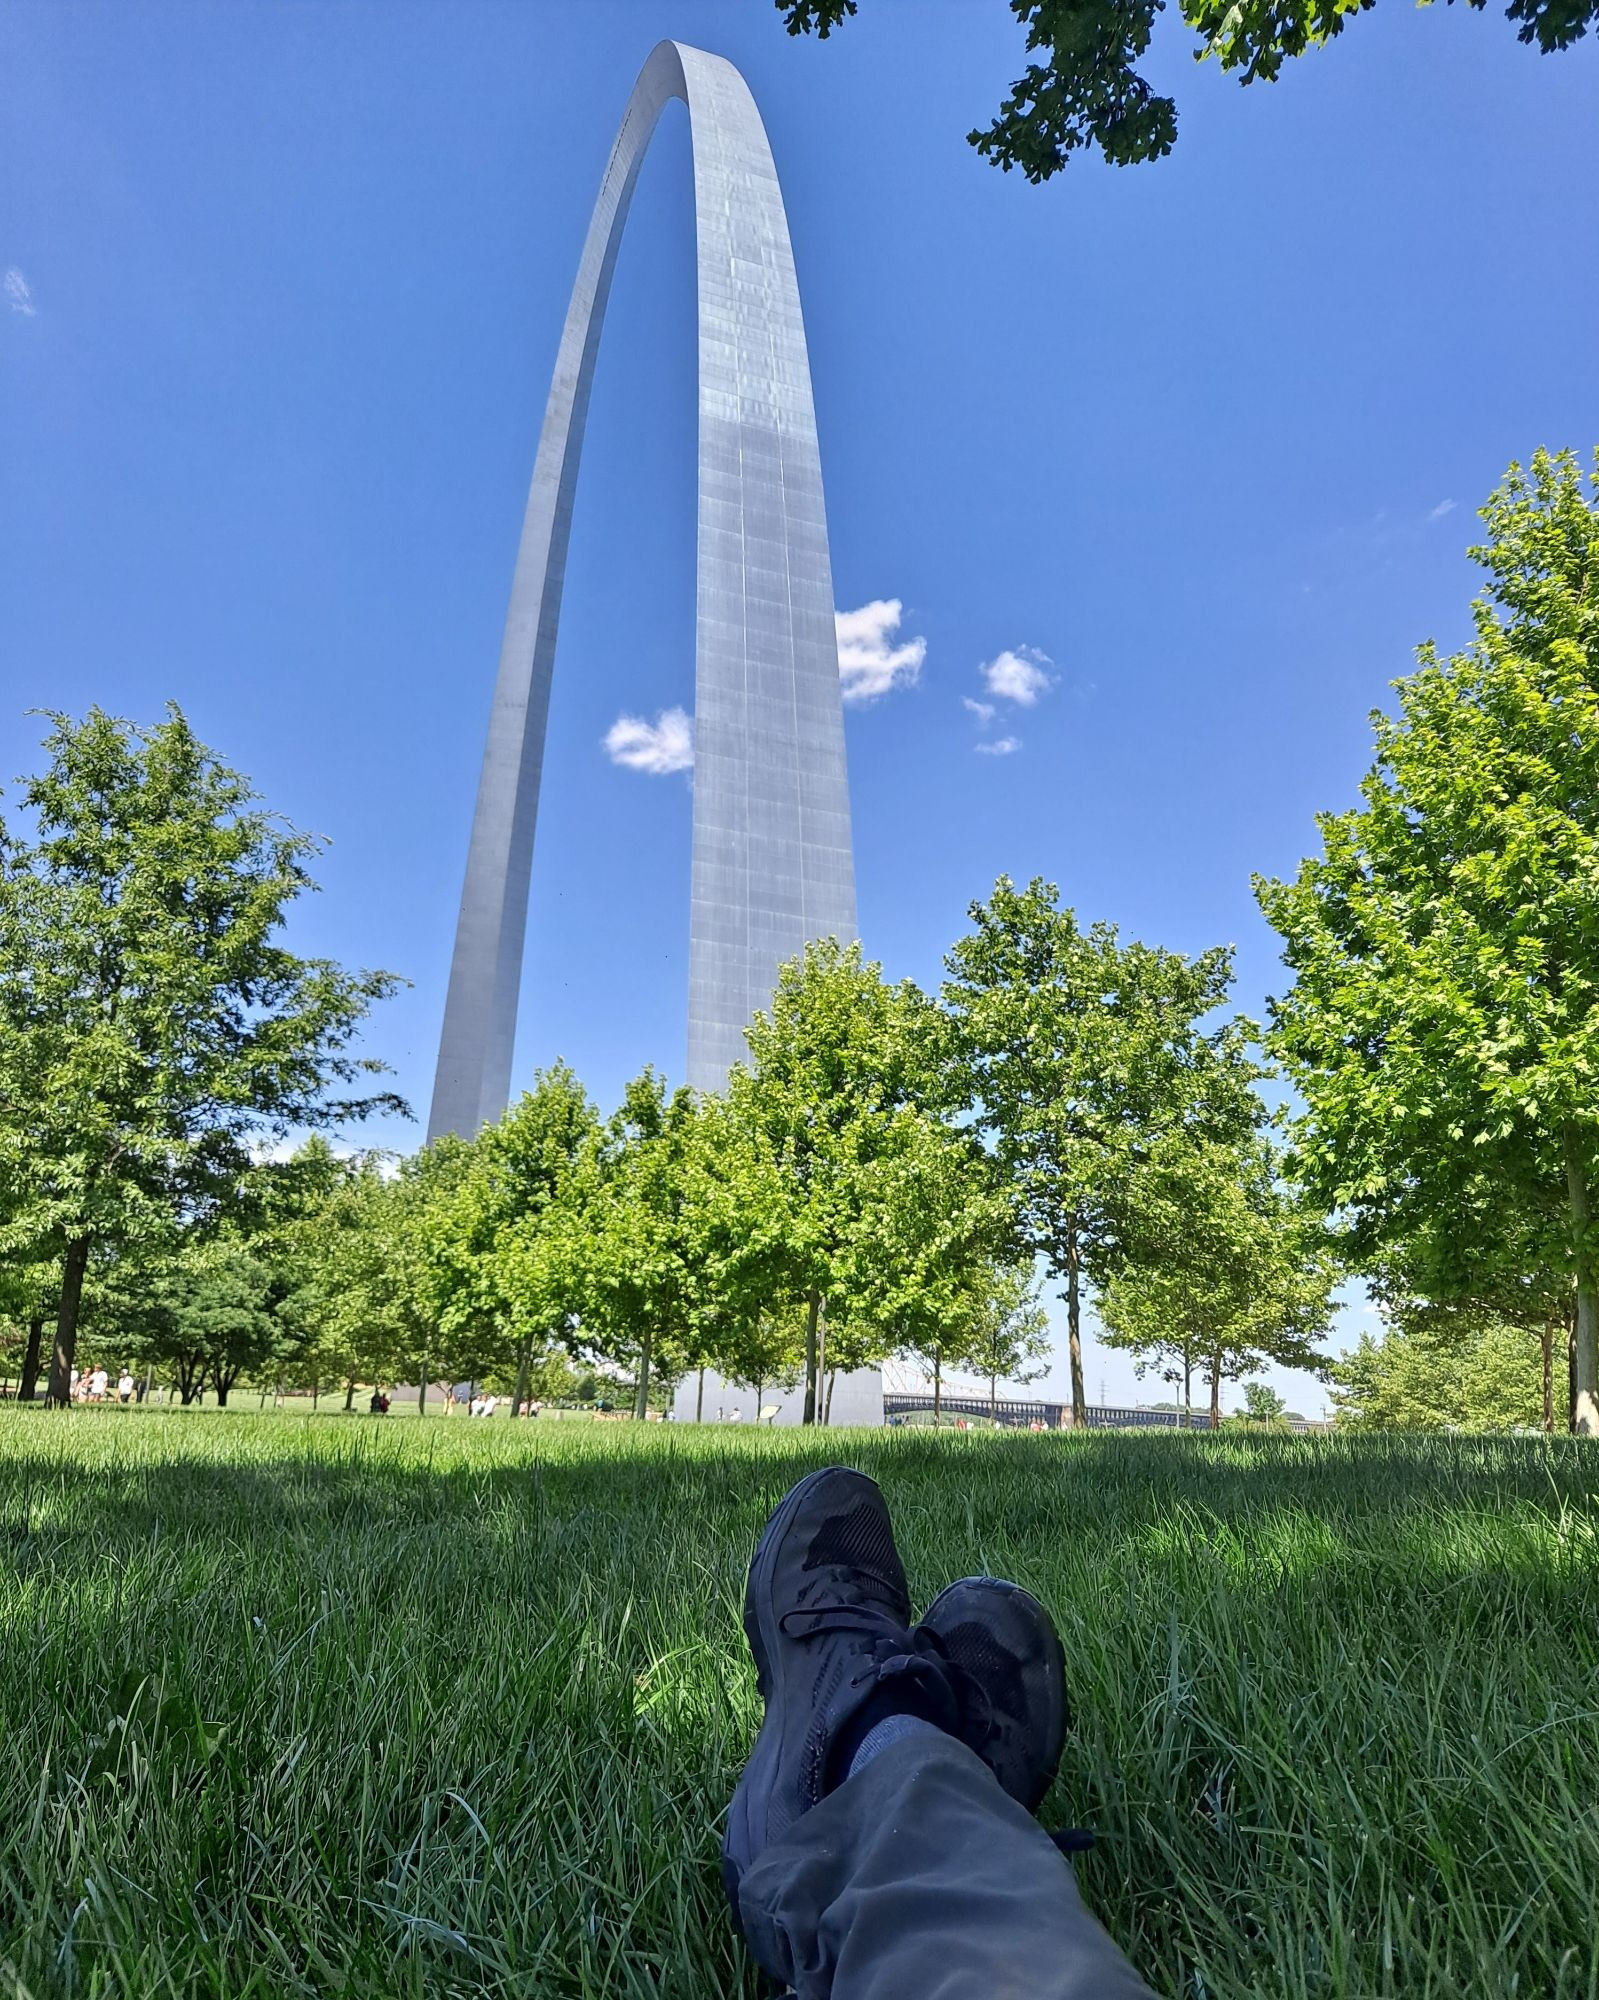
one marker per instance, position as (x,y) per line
(1083,90)
(152,1024)
(1443,1025)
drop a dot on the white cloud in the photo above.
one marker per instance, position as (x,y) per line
(983,710)
(999,746)
(1443,507)
(1020,676)
(19,293)
(869,662)
(666,744)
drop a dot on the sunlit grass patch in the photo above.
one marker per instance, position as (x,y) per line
(301,1706)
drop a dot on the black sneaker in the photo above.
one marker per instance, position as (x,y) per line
(828,1619)
(1011,1680)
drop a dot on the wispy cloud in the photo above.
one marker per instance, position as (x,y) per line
(870,663)
(19,293)
(983,710)
(658,747)
(1443,507)
(1020,675)
(998,746)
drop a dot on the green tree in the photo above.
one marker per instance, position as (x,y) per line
(1011,1340)
(205,1309)
(1084,89)
(1077,1055)
(942,1224)
(1226,1269)
(151,1023)
(831,1152)
(1263,1405)
(499,1234)
(1458,1258)
(351,1309)
(1472,1373)
(29,1299)
(638,1255)
(1443,1024)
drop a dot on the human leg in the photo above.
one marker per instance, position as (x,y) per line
(915,1869)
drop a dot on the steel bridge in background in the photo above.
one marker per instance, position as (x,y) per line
(1013,1414)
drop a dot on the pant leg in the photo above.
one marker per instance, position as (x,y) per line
(920,1879)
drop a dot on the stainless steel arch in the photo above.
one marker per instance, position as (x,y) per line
(772,862)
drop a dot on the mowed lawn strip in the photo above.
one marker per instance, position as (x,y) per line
(337,1706)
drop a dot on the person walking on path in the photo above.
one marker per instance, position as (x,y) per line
(881,1843)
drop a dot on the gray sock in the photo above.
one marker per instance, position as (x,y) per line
(889,1730)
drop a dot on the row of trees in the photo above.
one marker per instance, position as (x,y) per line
(873,1182)
(890,1171)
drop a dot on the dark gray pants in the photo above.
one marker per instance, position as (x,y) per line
(919,1879)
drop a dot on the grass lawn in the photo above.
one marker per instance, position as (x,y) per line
(331,1706)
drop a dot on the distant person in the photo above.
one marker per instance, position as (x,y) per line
(99,1382)
(125,1386)
(881,1843)
(449,1400)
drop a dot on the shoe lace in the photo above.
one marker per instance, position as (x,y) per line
(869,1609)
(975,1703)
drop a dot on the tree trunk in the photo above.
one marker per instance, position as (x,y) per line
(1571,1365)
(524,1367)
(349,1394)
(28,1387)
(1215,1393)
(1585,1388)
(1074,1326)
(641,1399)
(831,1379)
(821,1358)
(316,1390)
(1547,1345)
(1188,1389)
(422,1393)
(938,1386)
(699,1399)
(222,1393)
(813,1305)
(73,1267)
(993,1400)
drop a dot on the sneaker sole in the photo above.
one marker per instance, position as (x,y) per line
(1058,1721)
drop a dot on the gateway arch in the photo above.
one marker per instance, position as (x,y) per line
(772,861)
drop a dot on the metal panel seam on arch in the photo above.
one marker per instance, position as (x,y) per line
(772,859)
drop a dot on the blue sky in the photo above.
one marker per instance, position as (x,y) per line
(283,287)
